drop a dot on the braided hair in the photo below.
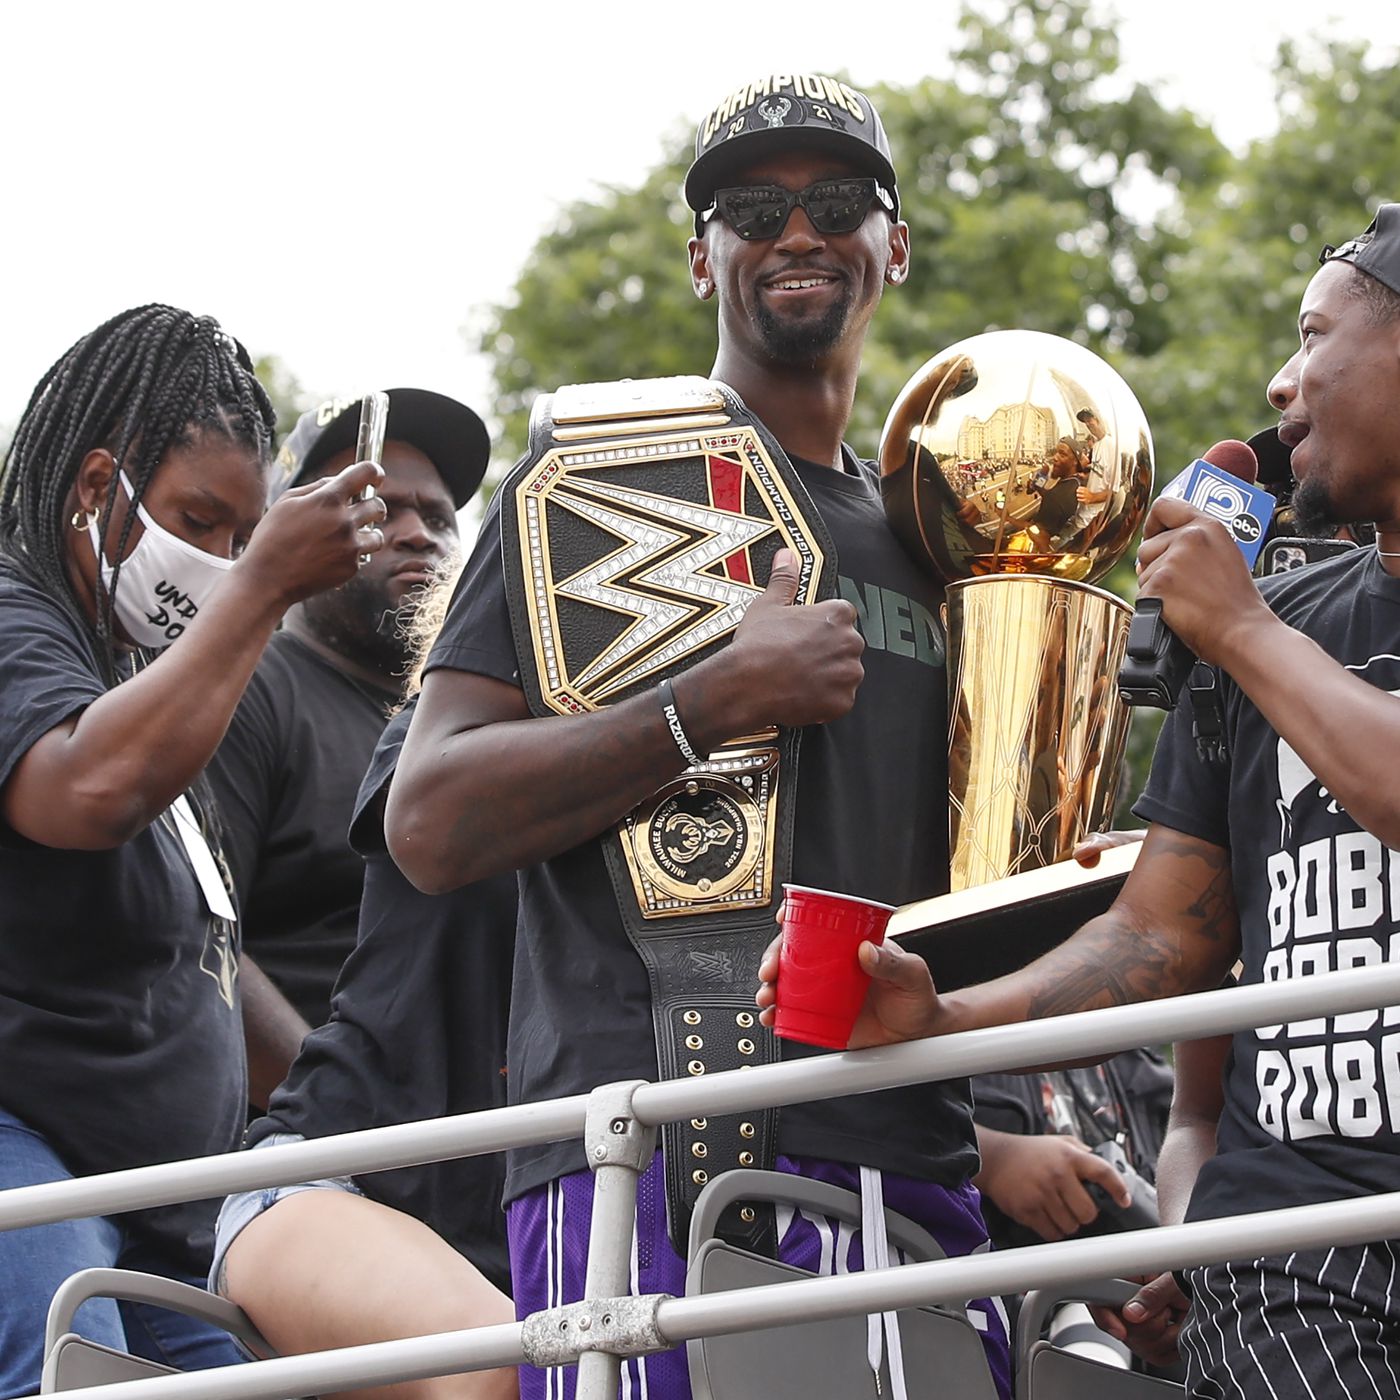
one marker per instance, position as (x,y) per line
(149,380)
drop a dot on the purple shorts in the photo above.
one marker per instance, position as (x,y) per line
(548,1230)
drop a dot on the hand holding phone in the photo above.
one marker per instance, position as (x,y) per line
(369,444)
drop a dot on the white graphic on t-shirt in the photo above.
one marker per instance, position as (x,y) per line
(1334,903)
(1294,776)
(219,960)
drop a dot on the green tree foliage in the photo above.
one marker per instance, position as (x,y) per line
(606,287)
(1016,172)
(1250,241)
(1021,187)
(1043,190)
(284,389)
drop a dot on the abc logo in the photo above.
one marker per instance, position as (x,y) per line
(1246,528)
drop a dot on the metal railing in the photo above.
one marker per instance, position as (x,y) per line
(618,1124)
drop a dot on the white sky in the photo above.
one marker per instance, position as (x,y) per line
(258,161)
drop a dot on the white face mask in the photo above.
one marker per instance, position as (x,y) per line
(164,581)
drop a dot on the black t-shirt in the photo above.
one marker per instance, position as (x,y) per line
(417,1030)
(120,1034)
(1125,1099)
(1310,1107)
(1058,502)
(872,820)
(285,777)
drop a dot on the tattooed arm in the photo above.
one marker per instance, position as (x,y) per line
(1172,929)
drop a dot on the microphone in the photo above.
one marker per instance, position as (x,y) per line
(1220,484)
(1230,455)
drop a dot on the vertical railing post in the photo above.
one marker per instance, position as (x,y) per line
(619,1150)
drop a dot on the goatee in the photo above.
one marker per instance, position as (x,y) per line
(1314,515)
(360,621)
(802,343)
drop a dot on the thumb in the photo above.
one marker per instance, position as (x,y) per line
(887,962)
(352,480)
(1153,1298)
(1088,851)
(783,580)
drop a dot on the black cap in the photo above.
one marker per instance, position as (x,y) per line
(446,432)
(1377,251)
(783,112)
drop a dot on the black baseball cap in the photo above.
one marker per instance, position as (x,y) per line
(1375,252)
(783,112)
(447,433)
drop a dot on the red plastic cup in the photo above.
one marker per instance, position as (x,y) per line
(821,984)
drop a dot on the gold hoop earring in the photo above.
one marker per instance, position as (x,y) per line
(83,520)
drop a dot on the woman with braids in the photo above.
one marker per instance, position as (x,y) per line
(136,597)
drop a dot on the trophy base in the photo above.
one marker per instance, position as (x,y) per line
(976,934)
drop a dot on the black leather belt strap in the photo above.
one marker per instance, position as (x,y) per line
(703,971)
(635,533)
(702,1031)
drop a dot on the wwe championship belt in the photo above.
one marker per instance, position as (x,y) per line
(640,526)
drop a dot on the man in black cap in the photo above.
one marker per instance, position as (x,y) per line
(1281,853)
(288,771)
(797,232)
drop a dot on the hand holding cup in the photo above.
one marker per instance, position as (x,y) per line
(821,984)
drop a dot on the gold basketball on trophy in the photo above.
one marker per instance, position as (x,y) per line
(1018,467)
(1016,452)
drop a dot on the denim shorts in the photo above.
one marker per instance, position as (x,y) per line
(34,1262)
(241,1210)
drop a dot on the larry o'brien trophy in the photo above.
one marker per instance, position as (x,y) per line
(1018,467)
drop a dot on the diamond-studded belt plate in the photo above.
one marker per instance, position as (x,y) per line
(641,551)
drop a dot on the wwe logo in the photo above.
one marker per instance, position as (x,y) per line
(713,967)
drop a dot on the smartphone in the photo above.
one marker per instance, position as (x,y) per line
(1285,553)
(374,419)
(369,445)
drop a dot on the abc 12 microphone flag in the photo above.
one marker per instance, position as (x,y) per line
(1245,510)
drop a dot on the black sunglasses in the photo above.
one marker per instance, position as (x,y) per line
(833,206)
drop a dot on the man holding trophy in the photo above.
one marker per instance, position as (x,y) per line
(664,602)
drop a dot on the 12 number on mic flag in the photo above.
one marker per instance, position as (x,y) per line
(1244,509)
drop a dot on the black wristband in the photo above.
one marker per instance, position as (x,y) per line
(673,723)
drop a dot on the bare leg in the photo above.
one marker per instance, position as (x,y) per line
(324,1269)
